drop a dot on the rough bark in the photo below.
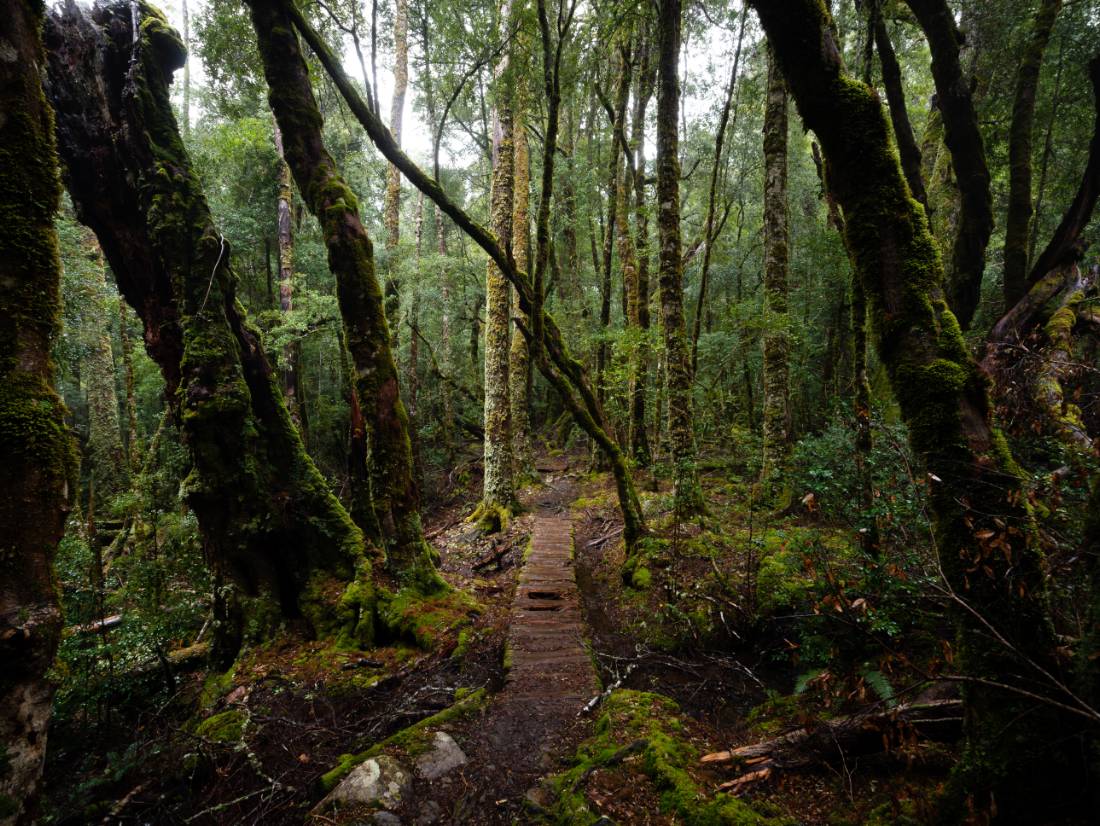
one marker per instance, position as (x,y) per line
(986,543)
(639,380)
(498,488)
(289,358)
(564,373)
(681,420)
(1018,217)
(37,458)
(777,346)
(391,209)
(519,358)
(267,516)
(394,492)
(961,134)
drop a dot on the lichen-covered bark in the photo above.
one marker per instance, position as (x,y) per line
(777,345)
(288,359)
(351,259)
(391,208)
(37,459)
(267,516)
(986,542)
(519,366)
(963,280)
(681,420)
(639,317)
(1018,217)
(498,488)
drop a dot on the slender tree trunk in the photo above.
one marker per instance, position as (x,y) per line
(961,134)
(519,367)
(392,206)
(291,355)
(976,493)
(186,71)
(133,449)
(709,231)
(777,344)
(681,420)
(647,78)
(498,491)
(350,256)
(267,516)
(37,456)
(1019,213)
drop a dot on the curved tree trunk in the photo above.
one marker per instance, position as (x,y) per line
(1019,213)
(266,514)
(351,258)
(986,543)
(681,420)
(289,358)
(960,132)
(37,456)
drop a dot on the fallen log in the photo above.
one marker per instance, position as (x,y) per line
(858,734)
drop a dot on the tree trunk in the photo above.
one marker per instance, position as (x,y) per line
(392,207)
(186,70)
(986,544)
(681,420)
(647,77)
(267,517)
(777,345)
(133,449)
(290,357)
(351,259)
(37,456)
(519,367)
(498,490)
(960,132)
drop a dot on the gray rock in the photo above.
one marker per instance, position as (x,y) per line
(386,819)
(430,812)
(443,756)
(379,780)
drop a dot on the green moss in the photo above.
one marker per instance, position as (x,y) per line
(641,578)
(426,619)
(651,726)
(215,687)
(226,727)
(408,738)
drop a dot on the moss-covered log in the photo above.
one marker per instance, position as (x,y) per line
(963,281)
(268,518)
(394,492)
(37,458)
(985,537)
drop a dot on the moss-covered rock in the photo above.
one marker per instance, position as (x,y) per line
(226,727)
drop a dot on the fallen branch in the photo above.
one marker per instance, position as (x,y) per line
(862,733)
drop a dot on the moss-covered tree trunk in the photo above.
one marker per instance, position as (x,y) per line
(639,316)
(519,360)
(777,344)
(964,273)
(678,377)
(391,209)
(267,516)
(37,458)
(1018,217)
(394,491)
(986,542)
(289,358)
(498,486)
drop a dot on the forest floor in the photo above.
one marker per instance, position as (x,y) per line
(458,738)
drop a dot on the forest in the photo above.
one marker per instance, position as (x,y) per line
(550,412)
